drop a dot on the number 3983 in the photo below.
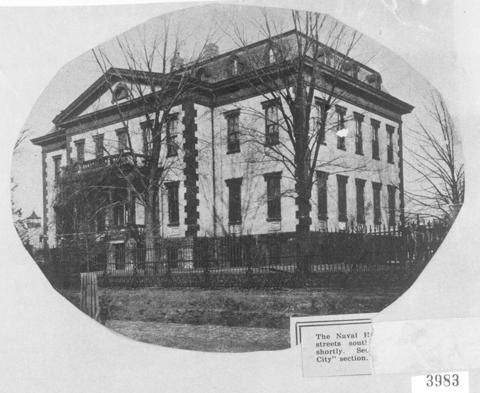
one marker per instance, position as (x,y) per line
(446,380)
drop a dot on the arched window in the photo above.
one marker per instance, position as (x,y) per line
(270,55)
(200,74)
(120,93)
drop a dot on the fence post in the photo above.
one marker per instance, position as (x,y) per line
(206,268)
(89,295)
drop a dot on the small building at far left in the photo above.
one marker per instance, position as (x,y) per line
(34,231)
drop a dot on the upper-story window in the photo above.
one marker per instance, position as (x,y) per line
(325,55)
(146,127)
(274,201)
(390,132)
(120,93)
(171,135)
(122,140)
(99,146)
(270,55)
(320,123)
(358,133)
(351,68)
(233,131)
(375,145)
(374,80)
(80,149)
(57,170)
(341,112)
(235,66)
(272,120)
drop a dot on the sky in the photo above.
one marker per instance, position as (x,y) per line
(55,65)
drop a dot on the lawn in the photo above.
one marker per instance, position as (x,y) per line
(218,320)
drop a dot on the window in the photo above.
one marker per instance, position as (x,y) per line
(375,149)
(271,124)
(390,131)
(80,148)
(173,204)
(340,126)
(351,69)
(321,108)
(233,131)
(99,147)
(360,188)
(122,140)
(100,221)
(322,178)
(147,137)
(234,201)
(327,56)
(120,93)
(274,205)
(235,66)
(171,135)
(270,56)
(355,70)
(120,207)
(342,198)
(358,133)
(57,161)
(377,212)
(391,205)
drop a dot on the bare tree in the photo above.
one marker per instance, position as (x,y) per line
(153,79)
(291,74)
(439,185)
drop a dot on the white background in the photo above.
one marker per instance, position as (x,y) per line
(48,346)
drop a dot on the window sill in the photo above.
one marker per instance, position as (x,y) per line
(272,144)
(172,155)
(233,151)
(173,225)
(274,219)
(322,218)
(376,158)
(359,153)
(235,223)
(341,148)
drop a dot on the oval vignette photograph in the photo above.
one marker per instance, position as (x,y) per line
(209,174)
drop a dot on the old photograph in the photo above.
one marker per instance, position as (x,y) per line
(215,171)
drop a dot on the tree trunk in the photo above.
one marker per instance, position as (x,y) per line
(151,230)
(303,189)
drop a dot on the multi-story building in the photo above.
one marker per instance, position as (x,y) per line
(226,158)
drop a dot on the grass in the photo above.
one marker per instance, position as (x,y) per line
(206,338)
(226,320)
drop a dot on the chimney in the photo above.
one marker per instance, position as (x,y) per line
(176,62)
(211,50)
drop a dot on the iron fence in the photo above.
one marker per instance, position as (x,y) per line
(281,260)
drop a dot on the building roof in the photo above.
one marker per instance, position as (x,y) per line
(33,216)
(216,83)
